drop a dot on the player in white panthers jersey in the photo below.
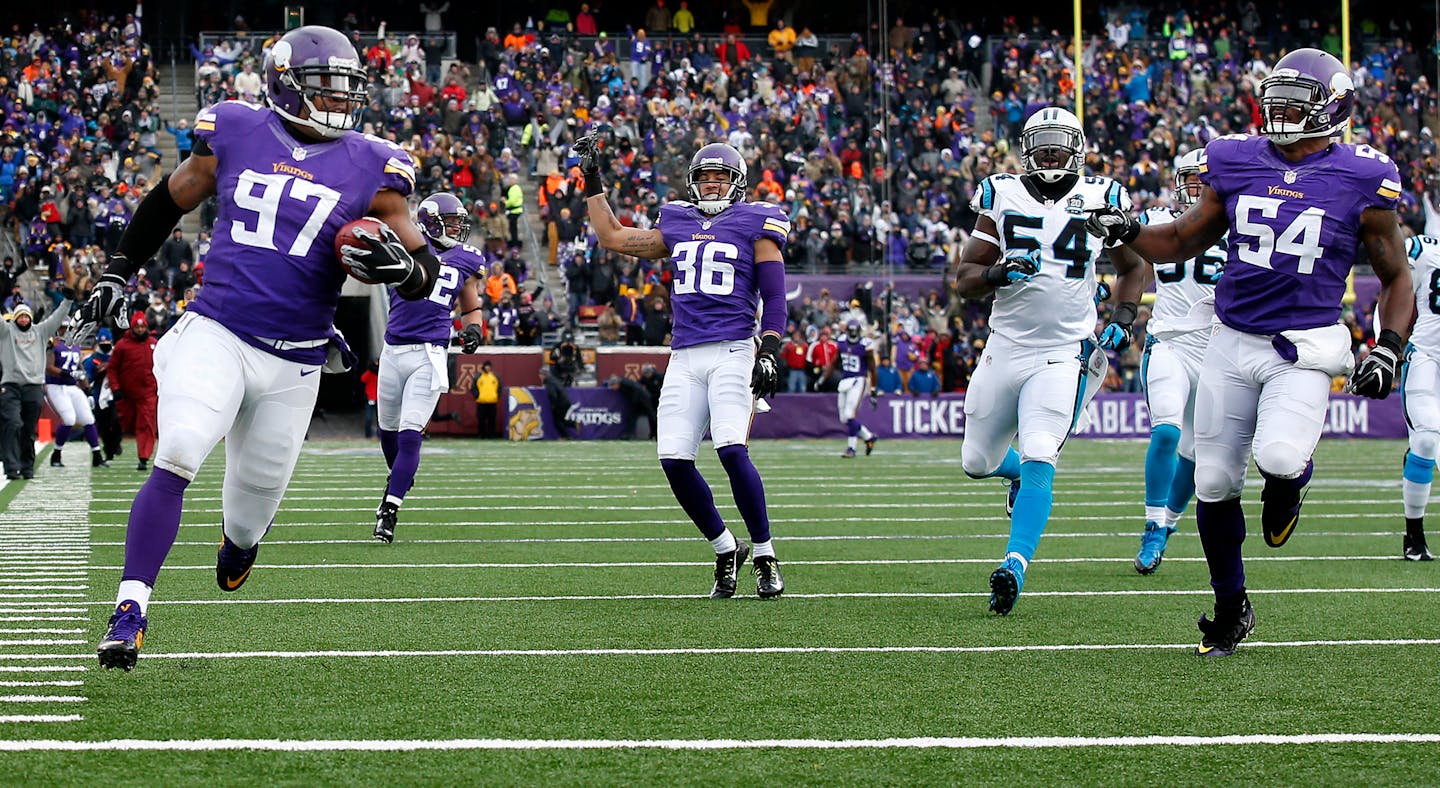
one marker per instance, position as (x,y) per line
(1030,249)
(1179,330)
(1420,391)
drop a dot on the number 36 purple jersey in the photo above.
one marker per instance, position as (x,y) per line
(716,290)
(272,271)
(1293,228)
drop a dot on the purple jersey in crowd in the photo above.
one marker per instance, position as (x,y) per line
(1293,228)
(507,319)
(67,358)
(428,319)
(715,290)
(854,357)
(272,271)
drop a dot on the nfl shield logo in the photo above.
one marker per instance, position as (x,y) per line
(298,154)
(1290,176)
(705,226)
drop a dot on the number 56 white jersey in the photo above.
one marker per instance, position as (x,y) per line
(1423,252)
(1058,304)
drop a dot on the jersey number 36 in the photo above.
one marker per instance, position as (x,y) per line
(706,266)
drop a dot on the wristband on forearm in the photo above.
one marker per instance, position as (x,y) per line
(417,284)
(1391,339)
(1125,313)
(593,186)
(770,345)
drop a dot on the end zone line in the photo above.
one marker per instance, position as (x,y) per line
(923,742)
(718,651)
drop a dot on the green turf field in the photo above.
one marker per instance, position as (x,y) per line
(541,619)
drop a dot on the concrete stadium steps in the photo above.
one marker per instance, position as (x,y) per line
(177,100)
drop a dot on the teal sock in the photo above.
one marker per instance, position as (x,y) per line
(1182,488)
(1032,508)
(1160,463)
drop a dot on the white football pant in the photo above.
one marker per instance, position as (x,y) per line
(213,385)
(1251,397)
(848,396)
(412,378)
(1171,374)
(705,385)
(70,404)
(1034,392)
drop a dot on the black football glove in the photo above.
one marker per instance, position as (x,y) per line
(874,400)
(471,337)
(1113,225)
(382,259)
(106,302)
(587,147)
(1012,270)
(1116,335)
(765,377)
(1375,376)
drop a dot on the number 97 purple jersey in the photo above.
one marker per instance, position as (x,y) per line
(715,292)
(1294,228)
(271,271)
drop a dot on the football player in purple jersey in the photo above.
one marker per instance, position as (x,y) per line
(413,373)
(242,362)
(1298,205)
(66,389)
(856,362)
(727,261)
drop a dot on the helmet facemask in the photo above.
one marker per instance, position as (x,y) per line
(1188,186)
(730,191)
(1294,107)
(336,82)
(1052,152)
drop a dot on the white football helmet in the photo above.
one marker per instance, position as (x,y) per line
(1052,131)
(1188,194)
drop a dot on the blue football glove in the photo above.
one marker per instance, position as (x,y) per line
(1102,292)
(1011,270)
(1115,337)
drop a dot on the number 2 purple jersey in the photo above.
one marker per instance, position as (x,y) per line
(271,271)
(1294,228)
(428,319)
(715,292)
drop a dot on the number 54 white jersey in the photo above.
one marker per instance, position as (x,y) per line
(1058,304)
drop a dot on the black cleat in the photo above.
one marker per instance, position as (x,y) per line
(97,460)
(123,636)
(727,566)
(870,445)
(385,518)
(143,465)
(232,564)
(55,459)
(1223,634)
(1279,514)
(768,582)
(1416,549)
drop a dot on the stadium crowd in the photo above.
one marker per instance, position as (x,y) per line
(874,156)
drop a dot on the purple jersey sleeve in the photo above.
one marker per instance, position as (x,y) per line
(771,223)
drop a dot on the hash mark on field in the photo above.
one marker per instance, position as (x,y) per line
(919,742)
(722,650)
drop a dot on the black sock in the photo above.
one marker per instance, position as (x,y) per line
(1415,527)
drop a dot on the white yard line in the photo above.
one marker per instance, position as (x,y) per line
(38,718)
(716,651)
(912,743)
(788,562)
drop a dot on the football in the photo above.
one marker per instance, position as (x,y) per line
(346,237)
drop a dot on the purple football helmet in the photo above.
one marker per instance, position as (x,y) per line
(852,330)
(1308,95)
(722,157)
(311,63)
(444,220)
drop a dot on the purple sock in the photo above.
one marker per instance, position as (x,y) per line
(748,490)
(1293,484)
(1222,530)
(853,425)
(92,436)
(388,445)
(62,434)
(405,464)
(154,523)
(694,496)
